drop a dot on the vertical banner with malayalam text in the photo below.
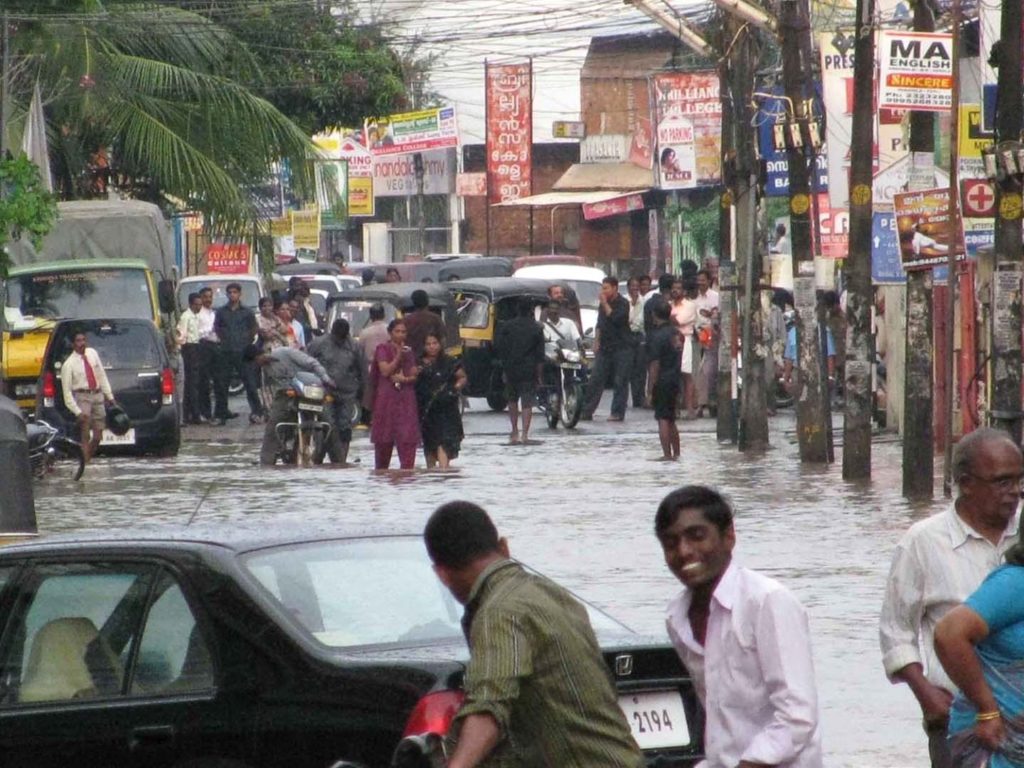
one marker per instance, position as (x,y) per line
(509,95)
(689,129)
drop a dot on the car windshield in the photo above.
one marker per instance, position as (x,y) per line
(83,294)
(587,291)
(368,592)
(120,346)
(250,291)
(357,313)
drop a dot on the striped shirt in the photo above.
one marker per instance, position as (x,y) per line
(938,563)
(536,667)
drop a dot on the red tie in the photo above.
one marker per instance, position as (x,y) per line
(90,377)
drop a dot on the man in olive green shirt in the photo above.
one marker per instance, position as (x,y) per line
(538,692)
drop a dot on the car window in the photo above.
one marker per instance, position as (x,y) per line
(119,345)
(334,590)
(357,313)
(72,636)
(173,655)
(5,576)
(85,294)
(250,291)
(473,313)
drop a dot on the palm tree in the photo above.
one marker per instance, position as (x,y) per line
(144,97)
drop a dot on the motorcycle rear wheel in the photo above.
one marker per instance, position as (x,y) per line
(67,463)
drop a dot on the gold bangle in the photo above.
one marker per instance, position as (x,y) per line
(982,717)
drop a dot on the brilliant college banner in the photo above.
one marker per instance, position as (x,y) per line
(509,95)
(688,115)
(915,71)
(410,132)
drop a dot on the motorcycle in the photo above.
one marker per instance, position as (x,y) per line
(565,381)
(51,454)
(304,441)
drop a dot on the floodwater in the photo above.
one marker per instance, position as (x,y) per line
(579,506)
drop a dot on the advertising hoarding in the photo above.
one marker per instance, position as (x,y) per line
(688,129)
(409,132)
(915,71)
(509,95)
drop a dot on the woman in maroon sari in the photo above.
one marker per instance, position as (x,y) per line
(395,418)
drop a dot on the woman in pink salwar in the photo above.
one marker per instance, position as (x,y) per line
(395,418)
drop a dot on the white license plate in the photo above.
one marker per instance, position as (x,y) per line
(656,718)
(109,438)
(311,407)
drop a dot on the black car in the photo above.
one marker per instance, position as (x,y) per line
(217,647)
(135,359)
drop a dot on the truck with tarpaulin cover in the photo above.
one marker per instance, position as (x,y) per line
(102,259)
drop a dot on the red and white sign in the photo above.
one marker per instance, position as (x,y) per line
(915,71)
(227,258)
(978,198)
(509,130)
(471,184)
(689,129)
(834,226)
(613,207)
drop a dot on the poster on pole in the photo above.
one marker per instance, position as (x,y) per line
(924,229)
(410,132)
(915,71)
(509,130)
(689,129)
(836,77)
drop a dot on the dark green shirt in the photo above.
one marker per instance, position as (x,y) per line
(536,668)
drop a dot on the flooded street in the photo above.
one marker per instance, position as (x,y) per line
(579,506)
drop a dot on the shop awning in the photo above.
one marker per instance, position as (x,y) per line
(596,205)
(613,177)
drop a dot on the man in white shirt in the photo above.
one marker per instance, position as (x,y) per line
(86,391)
(558,331)
(939,562)
(744,639)
(638,374)
(188,341)
(208,362)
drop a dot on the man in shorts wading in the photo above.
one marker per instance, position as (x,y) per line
(86,391)
(519,343)
(663,378)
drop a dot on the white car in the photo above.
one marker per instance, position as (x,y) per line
(586,281)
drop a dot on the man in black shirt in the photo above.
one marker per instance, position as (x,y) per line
(663,376)
(613,351)
(236,327)
(519,343)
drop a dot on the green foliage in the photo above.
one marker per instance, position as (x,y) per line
(700,222)
(26,208)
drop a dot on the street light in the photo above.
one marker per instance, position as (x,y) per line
(676,26)
(749,13)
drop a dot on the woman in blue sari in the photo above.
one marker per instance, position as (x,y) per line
(981,647)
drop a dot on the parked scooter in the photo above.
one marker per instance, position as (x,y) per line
(52,454)
(304,441)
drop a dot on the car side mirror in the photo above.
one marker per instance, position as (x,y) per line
(166,297)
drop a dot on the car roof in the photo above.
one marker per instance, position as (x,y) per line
(308,268)
(215,278)
(77,266)
(92,324)
(561,272)
(235,537)
(396,293)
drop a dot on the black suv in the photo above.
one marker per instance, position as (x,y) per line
(137,365)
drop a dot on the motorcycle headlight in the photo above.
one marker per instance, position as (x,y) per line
(313,392)
(571,355)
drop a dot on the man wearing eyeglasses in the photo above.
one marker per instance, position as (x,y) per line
(939,562)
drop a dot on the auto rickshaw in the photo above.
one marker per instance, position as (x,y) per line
(484,305)
(396,298)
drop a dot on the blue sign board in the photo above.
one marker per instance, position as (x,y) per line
(772,110)
(886,264)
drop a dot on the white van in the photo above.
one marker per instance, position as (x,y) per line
(586,281)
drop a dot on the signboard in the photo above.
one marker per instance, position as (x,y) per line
(834,226)
(613,207)
(268,197)
(396,176)
(971,133)
(281,227)
(471,184)
(412,131)
(566,129)
(306,228)
(977,198)
(771,111)
(915,71)
(641,144)
(886,265)
(924,229)
(509,94)
(689,129)
(605,148)
(836,73)
(978,234)
(360,196)
(227,258)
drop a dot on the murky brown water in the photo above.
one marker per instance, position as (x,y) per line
(580,508)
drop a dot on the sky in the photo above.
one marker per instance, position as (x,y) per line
(466,33)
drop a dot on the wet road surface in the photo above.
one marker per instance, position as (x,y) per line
(579,506)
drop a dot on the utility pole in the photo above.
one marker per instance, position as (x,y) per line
(1006,282)
(726,426)
(753,427)
(857,384)
(421,214)
(918,437)
(811,407)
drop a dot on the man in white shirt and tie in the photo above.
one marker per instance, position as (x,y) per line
(743,637)
(939,562)
(86,390)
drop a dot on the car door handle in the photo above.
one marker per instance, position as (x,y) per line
(151,735)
